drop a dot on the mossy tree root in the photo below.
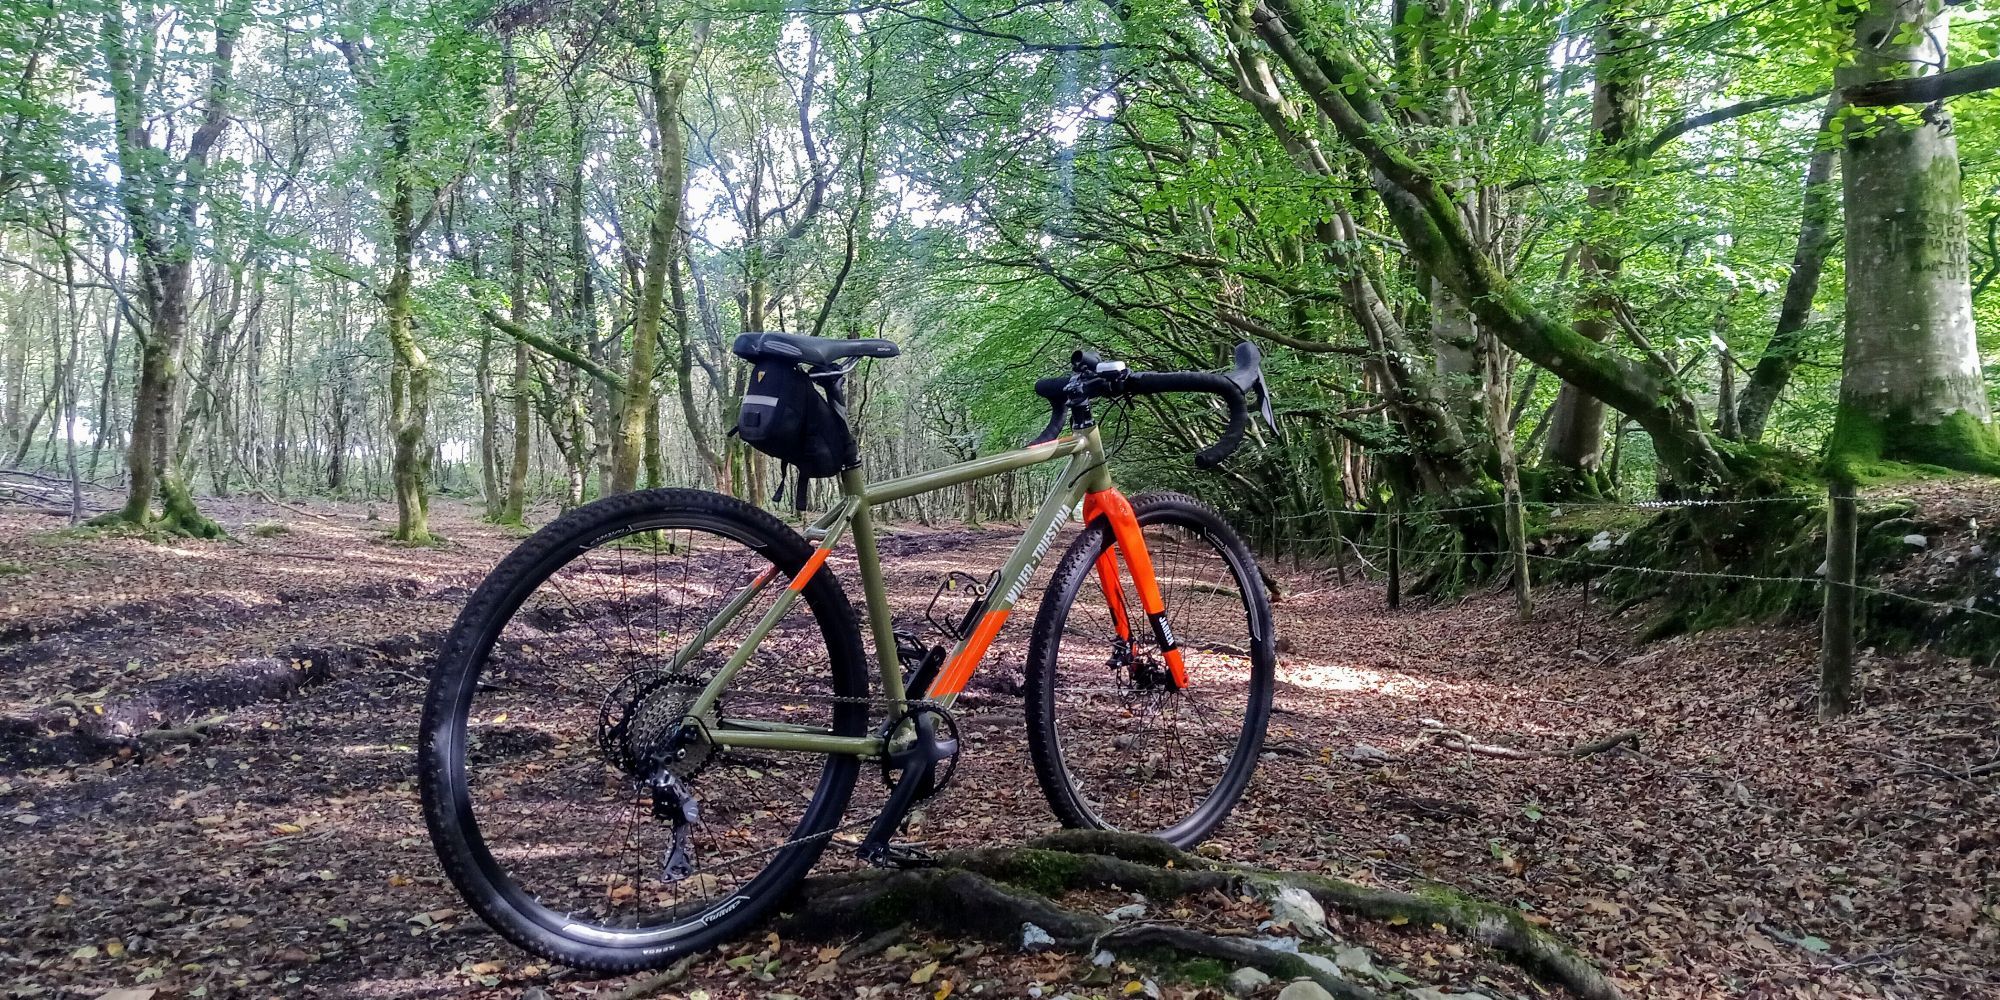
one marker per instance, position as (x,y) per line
(178,516)
(990,893)
(958,900)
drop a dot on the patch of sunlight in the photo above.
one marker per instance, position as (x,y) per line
(195,553)
(1341,677)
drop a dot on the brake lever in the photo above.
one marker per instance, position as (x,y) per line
(1248,374)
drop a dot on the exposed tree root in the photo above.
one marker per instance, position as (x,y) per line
(178,517)
(646,986)
(958,900)
(189,733)
(1278,965)
(178,514)
(991,893)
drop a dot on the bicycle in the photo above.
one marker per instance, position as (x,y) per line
(614,780)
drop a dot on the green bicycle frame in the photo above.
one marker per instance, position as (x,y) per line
(1085,472)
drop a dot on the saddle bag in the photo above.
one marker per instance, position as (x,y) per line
(786,416)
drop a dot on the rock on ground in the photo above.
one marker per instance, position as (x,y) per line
(1246,981)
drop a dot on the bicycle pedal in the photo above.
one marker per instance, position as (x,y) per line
(898,856)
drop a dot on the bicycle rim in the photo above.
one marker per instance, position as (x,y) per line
(1131,752)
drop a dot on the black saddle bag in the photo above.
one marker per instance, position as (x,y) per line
(786,416)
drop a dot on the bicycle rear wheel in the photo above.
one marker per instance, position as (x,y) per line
(1115,745)
(566,686)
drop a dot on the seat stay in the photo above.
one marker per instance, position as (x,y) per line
(829,531)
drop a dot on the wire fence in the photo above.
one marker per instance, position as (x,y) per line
(1381,542)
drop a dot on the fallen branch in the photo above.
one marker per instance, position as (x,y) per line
(1452,739)
(268,498)
(1914,767)
(182,734)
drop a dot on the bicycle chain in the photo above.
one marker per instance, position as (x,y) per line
(850,700)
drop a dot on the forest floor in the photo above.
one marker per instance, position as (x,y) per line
(1743,849)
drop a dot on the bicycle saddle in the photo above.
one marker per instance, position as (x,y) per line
(817,352)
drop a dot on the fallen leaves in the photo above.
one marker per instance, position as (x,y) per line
(1741,807)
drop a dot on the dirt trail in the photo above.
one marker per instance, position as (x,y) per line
(1743,850)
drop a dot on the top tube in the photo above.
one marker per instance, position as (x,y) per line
(965,472)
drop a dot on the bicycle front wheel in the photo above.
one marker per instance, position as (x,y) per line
(567,692)
(1116,744)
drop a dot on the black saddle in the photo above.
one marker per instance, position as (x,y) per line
(815,352)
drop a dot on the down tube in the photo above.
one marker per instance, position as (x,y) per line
(1063,497)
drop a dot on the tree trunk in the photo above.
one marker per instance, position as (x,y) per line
(161,201)
(1787,344)
(662,242)
(1443,452)
(1911,388)
(1428,218)
(1575,448)
(409,368)
(513,502)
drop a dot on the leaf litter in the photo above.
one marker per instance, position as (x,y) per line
(1742,849)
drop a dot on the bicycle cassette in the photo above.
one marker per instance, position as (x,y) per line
(645,726)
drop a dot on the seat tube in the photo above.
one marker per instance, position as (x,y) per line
(873,588)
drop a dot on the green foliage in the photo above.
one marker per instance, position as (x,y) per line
(990,188)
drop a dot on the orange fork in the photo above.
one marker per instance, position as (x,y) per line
(1130,544)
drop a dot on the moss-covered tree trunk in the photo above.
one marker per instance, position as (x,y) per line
(1444,455)
(409,382)
(662,243)
(1574,450)
(1428,218)
(1786,347)
(161,199)
(1911,386)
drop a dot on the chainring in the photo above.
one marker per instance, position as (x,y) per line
(947,729)
(643,726)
